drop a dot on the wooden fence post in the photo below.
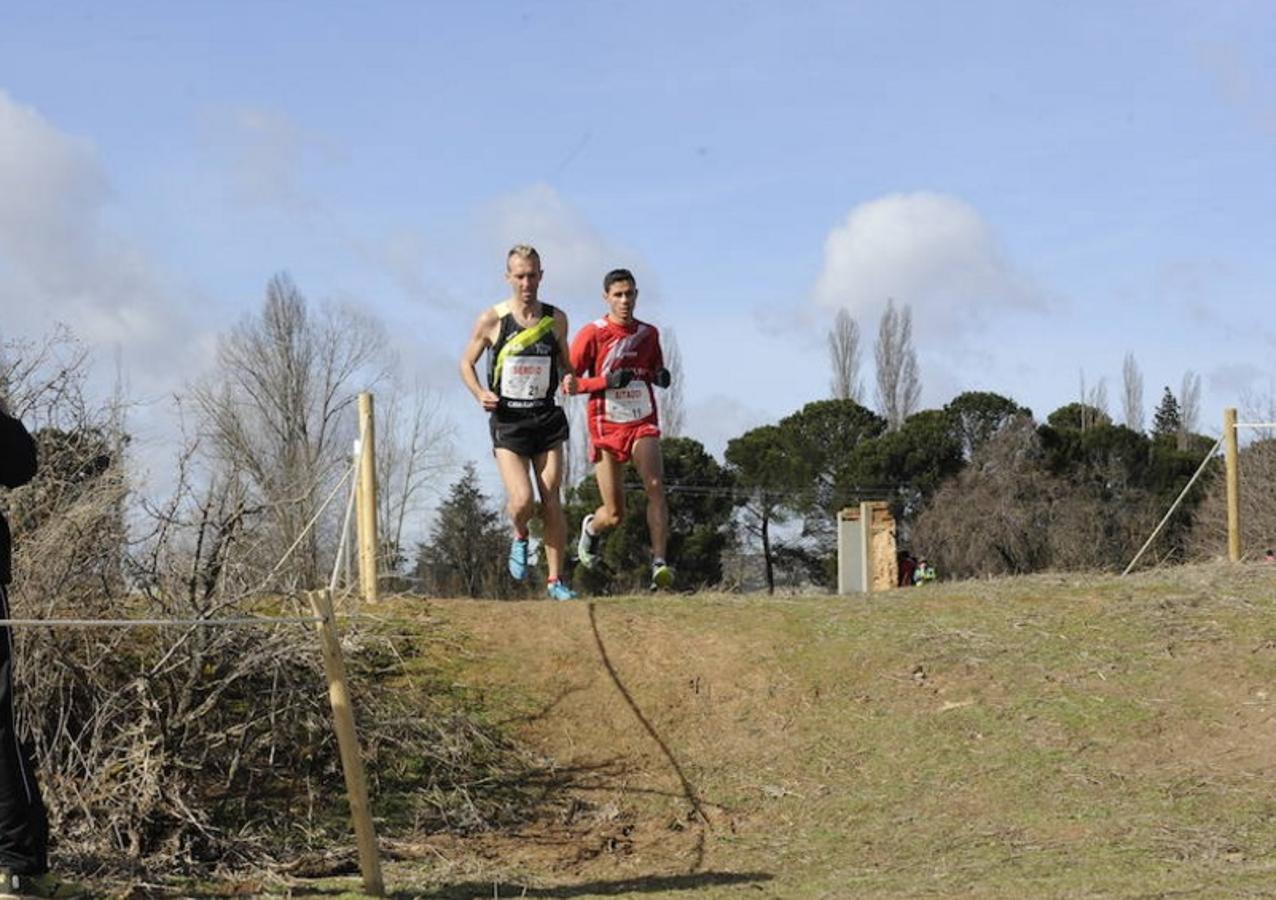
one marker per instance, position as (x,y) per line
(1232,457)
(348,744)
(367,500)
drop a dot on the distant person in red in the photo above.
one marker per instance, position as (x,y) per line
(617,360)
(1269,556)
(907,568)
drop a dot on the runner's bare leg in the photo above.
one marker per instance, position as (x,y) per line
(548,468)
(650,466)
(611,486)
(518,488)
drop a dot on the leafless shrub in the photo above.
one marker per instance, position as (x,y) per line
(1257,462)
(994,518)
(1008,513)
(167,748)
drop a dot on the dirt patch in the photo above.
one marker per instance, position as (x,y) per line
(968,736)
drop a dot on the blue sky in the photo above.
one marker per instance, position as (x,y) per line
(1048,186)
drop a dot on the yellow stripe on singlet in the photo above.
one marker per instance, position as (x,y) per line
(518,343)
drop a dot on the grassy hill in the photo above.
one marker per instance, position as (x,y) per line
(1059,736)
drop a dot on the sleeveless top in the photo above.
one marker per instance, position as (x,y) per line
(522,366)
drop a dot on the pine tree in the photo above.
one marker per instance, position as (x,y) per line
(1168,418)
(466,551)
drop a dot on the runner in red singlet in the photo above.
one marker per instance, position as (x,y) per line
(618,359)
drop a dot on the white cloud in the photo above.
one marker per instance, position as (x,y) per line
(717,418)
(574,254)
(265,154)
(930,251)
(61,262)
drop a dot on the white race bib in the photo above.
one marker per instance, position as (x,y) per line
(525,377)
(627,404)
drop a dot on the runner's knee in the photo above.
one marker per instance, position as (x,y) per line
(520,505)
(551,501)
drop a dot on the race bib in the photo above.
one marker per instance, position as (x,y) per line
(627,404)
(525,377)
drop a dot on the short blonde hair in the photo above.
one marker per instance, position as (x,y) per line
(526,251)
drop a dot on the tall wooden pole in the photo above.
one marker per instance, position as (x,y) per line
(866,546)
(348,745)
(1232,457)
(367,500)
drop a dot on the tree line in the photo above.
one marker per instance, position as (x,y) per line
(979,485)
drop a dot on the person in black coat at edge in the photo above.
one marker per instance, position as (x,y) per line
(24,824)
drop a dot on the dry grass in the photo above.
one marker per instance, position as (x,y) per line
(1061,736)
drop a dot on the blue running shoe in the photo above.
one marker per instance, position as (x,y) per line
(518,559)
(559,591)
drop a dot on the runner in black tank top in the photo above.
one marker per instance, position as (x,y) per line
(526,343)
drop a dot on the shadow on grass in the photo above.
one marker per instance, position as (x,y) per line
(688,790)
(648,884)
(643,885)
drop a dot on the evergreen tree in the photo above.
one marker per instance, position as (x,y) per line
(1168,419)
(465,554)
(1078,417)
(979,415)
(770,477)
(700,496)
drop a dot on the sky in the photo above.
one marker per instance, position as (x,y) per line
(1047,187)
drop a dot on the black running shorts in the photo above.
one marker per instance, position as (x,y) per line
(529,432)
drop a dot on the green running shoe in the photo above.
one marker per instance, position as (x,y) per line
(587,545)
(15,886)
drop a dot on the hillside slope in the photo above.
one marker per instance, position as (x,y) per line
(1043,736)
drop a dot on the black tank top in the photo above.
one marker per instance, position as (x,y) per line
(522,366)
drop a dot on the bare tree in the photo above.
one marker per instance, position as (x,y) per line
(278,408)
(1189,407)
(1257,406)
(898,383)
(844,358)
(1098,399)
(672,410)
(1094,403)
(1132,393)
(413,448)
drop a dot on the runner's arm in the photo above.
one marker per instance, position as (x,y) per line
(583,362)
(480,340)
(660,376)
(569,382)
